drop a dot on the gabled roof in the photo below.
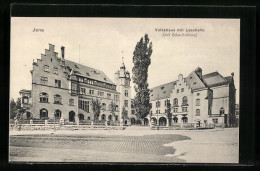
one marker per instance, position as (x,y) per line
(193,81)
(88,72)
(164,91)
(215,79)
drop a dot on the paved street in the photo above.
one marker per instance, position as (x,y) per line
(130,145)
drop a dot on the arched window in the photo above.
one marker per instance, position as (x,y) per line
(43,113)
(197,112)
(184,119)
(198,102)
(182,90)
(222,111)
(116,118)
(57,99)
(103,117)
(88,118)
(184,100)
(175,119)
(110,117)
(57,114)
(81,116)
(175,101)
(178,91)
(44,97)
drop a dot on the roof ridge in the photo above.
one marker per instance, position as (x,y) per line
(163,84)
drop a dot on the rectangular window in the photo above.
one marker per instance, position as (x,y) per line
(91,91)
(25,100)
(46,68)
(71,102)
(158,104)
(44,80)
(215,120)
(55,70)
(100,93)
(58,83)
(175,110)
(82,91)
(108,95)
(74,88)
(84,105)
(115,97)
(184,109)
(126,93)
(126,103)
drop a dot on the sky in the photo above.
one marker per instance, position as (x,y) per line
(101,42)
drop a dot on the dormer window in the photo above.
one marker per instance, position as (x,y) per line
(194,83)
(105,78)
(76,66)
(80,79)
(162,87)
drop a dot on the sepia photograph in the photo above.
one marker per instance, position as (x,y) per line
(131,90)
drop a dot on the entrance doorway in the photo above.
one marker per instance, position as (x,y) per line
(133,121)
(72,116)
(146,122)
(162,121)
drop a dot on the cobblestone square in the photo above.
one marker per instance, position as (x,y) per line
(125,146)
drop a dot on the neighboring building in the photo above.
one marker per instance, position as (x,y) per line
(198,98)
(67,88)
(237,115)
(122,79)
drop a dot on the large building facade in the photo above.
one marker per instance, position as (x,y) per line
(63,89)
(198,98)
(66,89)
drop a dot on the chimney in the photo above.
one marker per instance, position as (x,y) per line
(62,52)
(198,71)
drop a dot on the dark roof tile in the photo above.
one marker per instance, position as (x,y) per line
(89,72)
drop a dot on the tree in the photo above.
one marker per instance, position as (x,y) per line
(13,109)
(168,113)
(124,113)
(112,108)
(96,106)
(142,60)
(19,110)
